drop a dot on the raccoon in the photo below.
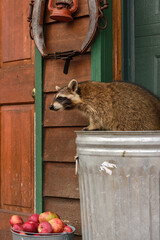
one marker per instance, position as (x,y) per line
(115,106)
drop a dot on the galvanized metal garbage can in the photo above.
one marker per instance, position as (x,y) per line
(123,202)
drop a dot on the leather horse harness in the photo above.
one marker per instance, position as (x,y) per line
(36,19)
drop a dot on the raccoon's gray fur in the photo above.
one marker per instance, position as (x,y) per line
(111,106)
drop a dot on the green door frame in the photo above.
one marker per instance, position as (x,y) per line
(128,41)
(102,51)
(38,132)
(101,71)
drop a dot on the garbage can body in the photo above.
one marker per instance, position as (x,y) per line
(126,204)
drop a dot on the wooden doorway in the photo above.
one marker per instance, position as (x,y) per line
(16,114)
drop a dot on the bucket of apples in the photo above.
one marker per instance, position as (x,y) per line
(44,226)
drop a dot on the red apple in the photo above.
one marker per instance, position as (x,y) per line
(30,227)
(57,225)
(16,219)
(34,217)
(46,216)
(17,227)
(45,227)
(67,229)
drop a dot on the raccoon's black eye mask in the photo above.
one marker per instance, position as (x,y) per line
(60,99)
(64,101)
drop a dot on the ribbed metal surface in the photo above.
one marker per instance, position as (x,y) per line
(125,205)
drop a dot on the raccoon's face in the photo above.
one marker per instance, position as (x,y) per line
(66,98)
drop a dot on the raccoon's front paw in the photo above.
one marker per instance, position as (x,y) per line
(85,129)
(90,129)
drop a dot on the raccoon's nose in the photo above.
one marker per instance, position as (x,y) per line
(51,107)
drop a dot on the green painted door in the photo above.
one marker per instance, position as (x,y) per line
(143,34)
(147,44)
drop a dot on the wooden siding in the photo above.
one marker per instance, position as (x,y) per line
(59,40)
(59,143)
(66,187)
(54,72)
(60,185)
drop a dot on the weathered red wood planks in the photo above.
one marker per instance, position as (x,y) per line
(59,144)
(60,180)
(61,37)
(80,69)
(61,190)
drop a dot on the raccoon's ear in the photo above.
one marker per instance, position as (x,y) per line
(73,85)
(57,88)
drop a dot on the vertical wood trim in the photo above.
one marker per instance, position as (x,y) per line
(1,35)
(0,156)
(101,51)
(38,133)
(117,42)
